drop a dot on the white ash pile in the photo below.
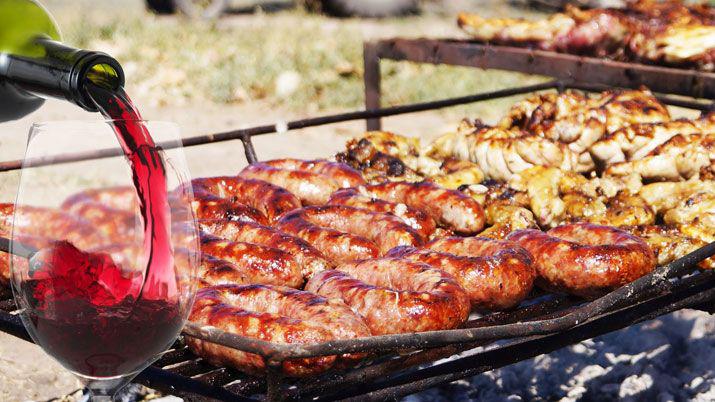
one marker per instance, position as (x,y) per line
(668,359)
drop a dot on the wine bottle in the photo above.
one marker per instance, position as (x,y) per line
(34,64)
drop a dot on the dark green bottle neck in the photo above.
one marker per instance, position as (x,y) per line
(61,72)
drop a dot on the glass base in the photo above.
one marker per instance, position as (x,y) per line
(103,389)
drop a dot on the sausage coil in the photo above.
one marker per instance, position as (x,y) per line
(496,274)
(309,259)
(585,259)
(346,233)
(253,264)
(262,196)
(212,207)
(418,220)
(341,173)
(274,314)
(449,208)
(395,295)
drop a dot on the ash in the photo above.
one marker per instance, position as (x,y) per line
(668,359)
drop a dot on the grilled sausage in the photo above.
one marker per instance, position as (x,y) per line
(119,197)
(49,223)
(274,314)
(117,224)
(417,219)
(262,196)
(211,207)
(309,259)
(20,263)
(341,173)
(253,263)
(38,226)
(586,259)
(347,234)
(449,208)
(311,188)
(496,274)
(396,295)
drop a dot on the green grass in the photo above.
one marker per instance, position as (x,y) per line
(176,61)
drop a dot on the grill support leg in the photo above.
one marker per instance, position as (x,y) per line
(274,391)
(371,63)
(248,149)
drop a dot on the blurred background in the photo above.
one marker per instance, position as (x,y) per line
(284,54)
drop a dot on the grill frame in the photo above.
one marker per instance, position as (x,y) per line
(562,66)
(565,321)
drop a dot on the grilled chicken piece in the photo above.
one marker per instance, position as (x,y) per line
(381,155)
(405,148)
(453,174)
(626,107)
(580,121)
(506,209)
(695,216)
(585,33)
(613,109)
(491,193)
(501,153)
(679,158)
(687,45)
(541,34)
(668,243)
(636,141)
(668,195)
(625,209)
(558,197)
(568,117)
(667,33)
(543,186)
(506,219)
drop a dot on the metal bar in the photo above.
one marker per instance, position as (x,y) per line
(372,77)
(215,335)
(245,134)
(248,149)
(668,100)
(559,65)
(366,374)
(184,387)
(273,128)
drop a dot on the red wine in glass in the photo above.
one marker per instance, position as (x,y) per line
(87,318)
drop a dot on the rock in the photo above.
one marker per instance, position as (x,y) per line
(287,83)
(635,386)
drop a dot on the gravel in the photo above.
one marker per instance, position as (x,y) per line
(668,359)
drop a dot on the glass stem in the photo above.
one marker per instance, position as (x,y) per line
(100,398)
(103,390)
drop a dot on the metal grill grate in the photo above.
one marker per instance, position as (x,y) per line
(542,324)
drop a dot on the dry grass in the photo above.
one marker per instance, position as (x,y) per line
(170,60)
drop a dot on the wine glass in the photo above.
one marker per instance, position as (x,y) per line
(110,280)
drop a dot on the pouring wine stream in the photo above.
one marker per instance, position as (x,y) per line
(149,176)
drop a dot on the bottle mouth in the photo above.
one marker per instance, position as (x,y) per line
(95,68)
